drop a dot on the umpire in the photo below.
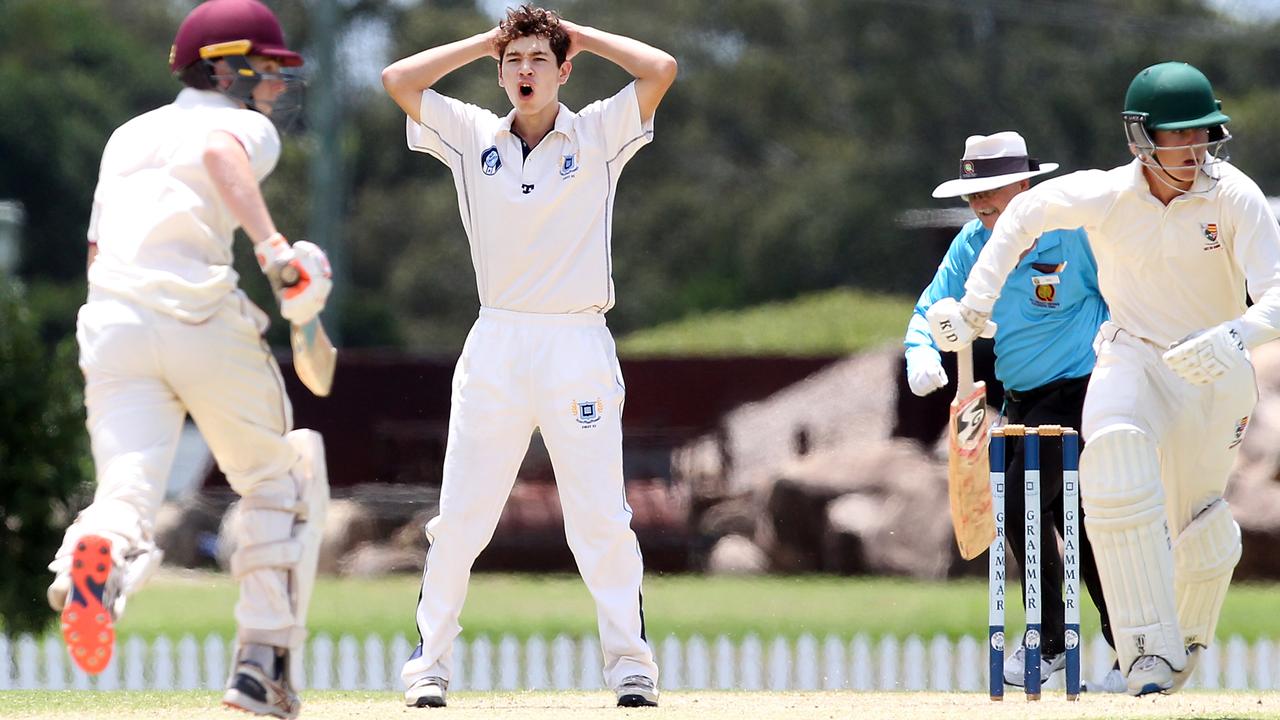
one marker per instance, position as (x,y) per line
(1047,317)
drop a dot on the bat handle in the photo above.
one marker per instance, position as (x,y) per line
(289,276)
(964,368)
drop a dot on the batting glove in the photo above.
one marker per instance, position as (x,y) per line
(955,325)
(299,274)
(1204,356)
(924,371)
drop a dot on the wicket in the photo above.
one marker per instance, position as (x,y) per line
(1031,533)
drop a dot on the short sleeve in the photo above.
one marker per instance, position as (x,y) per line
(446,125)
(616,122)
(259,138)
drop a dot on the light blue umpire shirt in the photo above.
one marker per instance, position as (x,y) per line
(1047,314)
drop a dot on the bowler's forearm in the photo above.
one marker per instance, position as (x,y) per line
(640,60)
(653,69)
(405,79)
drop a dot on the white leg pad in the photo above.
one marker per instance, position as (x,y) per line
(1124,511)
(1205,555)
(312,476)
(292,547)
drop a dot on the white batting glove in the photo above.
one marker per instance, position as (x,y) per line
(1205,356)
(299,274)
(955,325)
(924,371)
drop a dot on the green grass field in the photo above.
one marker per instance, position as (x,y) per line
(696,705)
(683,605)
(834,322)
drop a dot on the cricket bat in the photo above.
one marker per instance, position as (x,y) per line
(968,478)
(314,356)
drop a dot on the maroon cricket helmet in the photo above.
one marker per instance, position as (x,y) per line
(230,27)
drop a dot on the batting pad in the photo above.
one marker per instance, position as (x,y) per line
(312,476)
(1124,512)
(280,532)
(1205,555)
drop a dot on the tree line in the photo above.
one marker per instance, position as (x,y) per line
(796,134)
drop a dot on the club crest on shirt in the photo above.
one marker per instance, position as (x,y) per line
(1241,425)
(586,412)
(569,166)
(1211,241)
(1045,294)
(490,161)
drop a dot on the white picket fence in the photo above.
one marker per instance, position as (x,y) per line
(565,663)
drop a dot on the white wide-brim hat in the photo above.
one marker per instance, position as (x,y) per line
(990,162)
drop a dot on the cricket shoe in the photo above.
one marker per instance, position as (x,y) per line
(1150,674)
(1112,682)
(260,683)
(637,691)
(427,692)
(1015,666)
(87,617)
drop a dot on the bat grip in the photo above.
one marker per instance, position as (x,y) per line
(964,368)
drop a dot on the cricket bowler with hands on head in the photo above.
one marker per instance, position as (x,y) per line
(535,191)
(1180,236)
(1046,318)
(166,332)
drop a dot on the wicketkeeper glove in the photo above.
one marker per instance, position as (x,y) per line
(299,274)
(924,370)
(1206,355)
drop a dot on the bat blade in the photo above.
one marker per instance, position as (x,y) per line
(968,479)
(314,356)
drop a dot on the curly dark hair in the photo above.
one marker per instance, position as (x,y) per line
(529,20)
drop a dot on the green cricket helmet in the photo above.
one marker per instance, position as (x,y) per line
(1173,96)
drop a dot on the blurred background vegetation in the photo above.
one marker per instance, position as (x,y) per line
(797,133)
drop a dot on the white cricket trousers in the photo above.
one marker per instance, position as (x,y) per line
(1193,433)
(559,373)
(144,371)
(1197,428)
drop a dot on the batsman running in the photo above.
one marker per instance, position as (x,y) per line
(1180,235)
(535,190)
(166,332)
(1049,311)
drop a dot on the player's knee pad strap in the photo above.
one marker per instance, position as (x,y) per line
(1124,512)
(1205,554)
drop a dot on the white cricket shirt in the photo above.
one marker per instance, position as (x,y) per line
(163,233)
(539,227)
(1165,271)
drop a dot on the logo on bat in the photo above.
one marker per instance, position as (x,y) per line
(970,423)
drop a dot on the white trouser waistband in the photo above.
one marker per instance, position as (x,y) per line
(524,318)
